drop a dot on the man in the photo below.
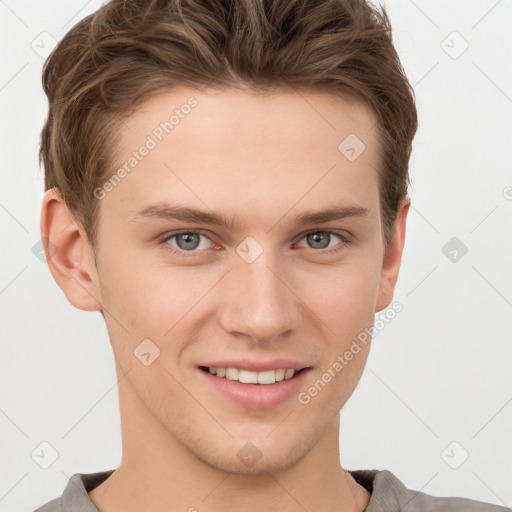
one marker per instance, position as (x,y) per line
(226,182)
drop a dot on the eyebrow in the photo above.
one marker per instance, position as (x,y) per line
(167,211)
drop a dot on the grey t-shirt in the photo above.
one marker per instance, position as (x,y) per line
(388,494)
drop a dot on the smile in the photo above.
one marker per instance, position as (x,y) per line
(254,389)
(252,377)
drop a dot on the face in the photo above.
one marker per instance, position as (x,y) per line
(259,284)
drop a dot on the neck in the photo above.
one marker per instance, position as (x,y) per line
(158,473)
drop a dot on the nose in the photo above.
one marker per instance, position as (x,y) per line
(258,300)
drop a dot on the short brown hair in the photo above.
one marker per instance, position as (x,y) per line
(130,50)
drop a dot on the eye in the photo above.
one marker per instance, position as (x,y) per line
(186,241)
(322,240)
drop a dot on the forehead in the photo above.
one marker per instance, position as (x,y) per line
(229,115)
(233,150)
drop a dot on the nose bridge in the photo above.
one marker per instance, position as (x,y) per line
(259,303)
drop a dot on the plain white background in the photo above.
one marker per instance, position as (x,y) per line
(434,405)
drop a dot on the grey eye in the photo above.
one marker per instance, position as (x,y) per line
(188,241)
(319,240)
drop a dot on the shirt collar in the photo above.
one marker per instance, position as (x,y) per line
(387,492)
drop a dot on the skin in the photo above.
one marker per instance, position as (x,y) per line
(262,160)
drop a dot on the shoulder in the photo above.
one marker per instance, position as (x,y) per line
(389,494)
(415,500)
(75,497)
(52,506)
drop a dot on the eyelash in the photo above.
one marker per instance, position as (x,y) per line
(163,242)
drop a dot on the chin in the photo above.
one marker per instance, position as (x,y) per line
(258,464)
(247,455)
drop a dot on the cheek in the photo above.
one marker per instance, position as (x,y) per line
(344,297)
(148,295)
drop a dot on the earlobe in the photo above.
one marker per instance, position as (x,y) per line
(68,253)
(392,258)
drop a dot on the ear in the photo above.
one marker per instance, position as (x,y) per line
(392,258)
(68,253)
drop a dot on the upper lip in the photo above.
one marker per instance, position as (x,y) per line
(257,366)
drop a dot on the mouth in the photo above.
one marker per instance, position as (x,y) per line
(266,377)
(252,389)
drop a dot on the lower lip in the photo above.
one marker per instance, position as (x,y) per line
(257,396)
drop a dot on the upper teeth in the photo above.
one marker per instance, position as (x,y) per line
(249,377)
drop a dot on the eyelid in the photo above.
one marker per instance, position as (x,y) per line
(345,235)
